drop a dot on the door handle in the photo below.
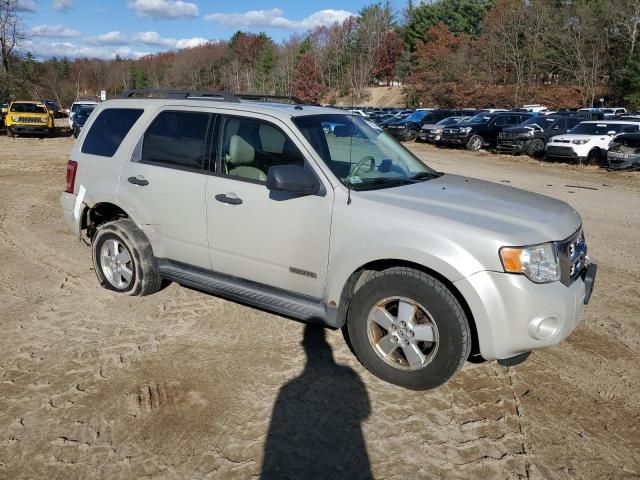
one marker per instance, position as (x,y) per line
(231,198)
(139,180)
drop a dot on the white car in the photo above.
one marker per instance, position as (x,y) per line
(588,142)
(77,105)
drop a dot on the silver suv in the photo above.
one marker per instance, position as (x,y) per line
(319,215)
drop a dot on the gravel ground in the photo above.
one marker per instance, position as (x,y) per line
(185,385)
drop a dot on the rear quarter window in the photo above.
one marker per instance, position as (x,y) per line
(108,130)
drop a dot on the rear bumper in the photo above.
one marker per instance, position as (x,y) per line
(514,315)
(71,210)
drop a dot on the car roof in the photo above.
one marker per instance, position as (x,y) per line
(32,102)
(614,122)
(280,110)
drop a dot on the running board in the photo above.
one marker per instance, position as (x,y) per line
(276,300)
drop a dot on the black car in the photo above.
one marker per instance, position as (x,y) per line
(482,130)
(531,137)
(80,118)
(430,132)
(623,153)
(408,128)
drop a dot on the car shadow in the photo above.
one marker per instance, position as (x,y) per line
(315,430)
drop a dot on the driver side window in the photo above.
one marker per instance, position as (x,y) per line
(251,147)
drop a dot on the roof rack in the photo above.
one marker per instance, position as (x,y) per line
(180,94)
(257,97)
(209,95)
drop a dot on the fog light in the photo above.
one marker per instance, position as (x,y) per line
(545,327)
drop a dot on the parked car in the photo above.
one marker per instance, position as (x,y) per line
(431,132)
(613,112)
(4,108)
(587,142)
(77,105)
(531,137)
(80,119)
(624,152)
(408,128)
(482,130)
(422,269)
(29,117)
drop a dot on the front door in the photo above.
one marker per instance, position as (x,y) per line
(272,238)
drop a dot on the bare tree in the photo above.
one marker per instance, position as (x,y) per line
(11,33)
(628,23)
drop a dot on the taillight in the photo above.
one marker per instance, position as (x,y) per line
(72,167)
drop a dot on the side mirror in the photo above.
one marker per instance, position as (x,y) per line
(292,179)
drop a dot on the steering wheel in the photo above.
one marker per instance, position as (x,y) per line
(367,158)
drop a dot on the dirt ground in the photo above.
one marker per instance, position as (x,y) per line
(185,385)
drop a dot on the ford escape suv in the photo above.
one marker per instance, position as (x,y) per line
(319,215)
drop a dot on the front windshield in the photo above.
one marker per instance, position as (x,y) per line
(480,118)
(585,128)
(451,120)
(28,108)
(360,153)
(540,122)
(416,116)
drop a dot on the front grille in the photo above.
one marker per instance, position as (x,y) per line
(509,136)
(572,254)
(30,120)
(560,151)
(451,131)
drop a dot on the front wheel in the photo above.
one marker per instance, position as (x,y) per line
(10,132)
(123,259)
(408,329)
(593,158)
(411,135)
(536,148)
(475,143)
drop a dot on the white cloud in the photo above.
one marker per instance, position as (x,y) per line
(274,19)
(71,50)
(164,9)
(151,39)
(26,5)
(54,31)
(62,5)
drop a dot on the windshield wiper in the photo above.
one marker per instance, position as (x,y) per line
(427,175)
(381,182)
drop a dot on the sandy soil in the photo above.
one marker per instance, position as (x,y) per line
(184,385)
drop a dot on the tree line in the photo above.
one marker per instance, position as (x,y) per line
(446,53)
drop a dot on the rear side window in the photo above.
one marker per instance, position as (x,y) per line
(108,130)
(177,139)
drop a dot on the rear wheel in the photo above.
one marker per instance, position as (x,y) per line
(536,148)
(411,135)
(408,329)
(475,143)
(123,259)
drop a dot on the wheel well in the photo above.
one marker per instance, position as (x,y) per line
(357,278)
(101,213)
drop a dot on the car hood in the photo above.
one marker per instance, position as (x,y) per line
(567,137)
(482,210)
(432,126)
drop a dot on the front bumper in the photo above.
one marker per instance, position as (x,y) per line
(19,128)
(397,133)
(566,152)
(514,315)
(512,146)
(455,139)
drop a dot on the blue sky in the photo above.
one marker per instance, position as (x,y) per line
(131,28)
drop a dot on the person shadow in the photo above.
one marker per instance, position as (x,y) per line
(315,430)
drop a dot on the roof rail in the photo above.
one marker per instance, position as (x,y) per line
(258,97)
(180,94)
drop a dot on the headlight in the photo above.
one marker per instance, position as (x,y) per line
(465,129)
(15,119)
(529,133)
(579,142)
(437,131)
(539,263)
(44,120)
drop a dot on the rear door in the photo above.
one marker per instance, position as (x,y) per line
(164,184)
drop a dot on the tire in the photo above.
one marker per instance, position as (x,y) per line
(593,157)
(536,147)
(411,135)
(76,132)
(135,274)
(439,317)
(10,132)
(475,143)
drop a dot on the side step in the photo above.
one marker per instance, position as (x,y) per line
(280,301)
